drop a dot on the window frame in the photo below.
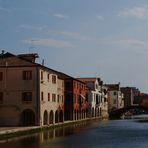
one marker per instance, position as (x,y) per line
(1,76)
(27,97)
(27,75)
(49,97)
(1,97)
(54,79)
(53,97)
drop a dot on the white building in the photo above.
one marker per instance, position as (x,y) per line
(97,97)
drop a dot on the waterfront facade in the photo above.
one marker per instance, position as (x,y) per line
(130,96)
(97,97)
(144,100)
(76,105)
(51,97)
(30,93)
(141,99)
(115,97)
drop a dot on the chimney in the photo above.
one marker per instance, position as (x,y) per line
(30,57)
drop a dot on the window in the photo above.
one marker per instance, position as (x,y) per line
(1,76)
(42,96)
(1,97)
(105,99)
(58,98)
(27,75)
(53,97)
(54,79)
(77,85)
(97,99)
(41,75)
(48,96)
(115,93)
(62,98)
(74,98)
(68,85)
(62,84)
(27,97)
(48,77)
(86,96)
(74,84)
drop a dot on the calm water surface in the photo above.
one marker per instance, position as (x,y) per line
(97,134)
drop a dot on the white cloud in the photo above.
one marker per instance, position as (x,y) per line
(99,17)
(136,12)
(134,42)
(30,27)
(60,16)
(49,42)
(135,45)
(73,35)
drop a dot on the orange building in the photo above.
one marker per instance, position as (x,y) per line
(76,104)
(143,99)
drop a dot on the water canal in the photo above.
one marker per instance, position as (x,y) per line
(95,134)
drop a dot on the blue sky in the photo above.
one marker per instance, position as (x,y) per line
(83,38)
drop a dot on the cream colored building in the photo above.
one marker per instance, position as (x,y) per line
(115,97)
(30,93)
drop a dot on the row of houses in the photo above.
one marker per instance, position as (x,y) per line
(33,94)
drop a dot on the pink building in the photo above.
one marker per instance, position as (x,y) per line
(30,93)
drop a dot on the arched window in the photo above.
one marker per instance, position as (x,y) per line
(61,116)
(56,117)
(45,117)
(51,117)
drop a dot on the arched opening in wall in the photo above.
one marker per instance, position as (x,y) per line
(51,117)
(75,115)
(56,116)
(61,116)
(45,118)
(92,112)
(28,117)
(84,112)
(80,114)
(96,110)
(87,113)
(100,112)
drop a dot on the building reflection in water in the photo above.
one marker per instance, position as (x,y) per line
(46,136)
(50,135)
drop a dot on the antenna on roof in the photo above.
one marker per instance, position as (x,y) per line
(43,62)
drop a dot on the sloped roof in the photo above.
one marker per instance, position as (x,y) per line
(113,86)
(11,60)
